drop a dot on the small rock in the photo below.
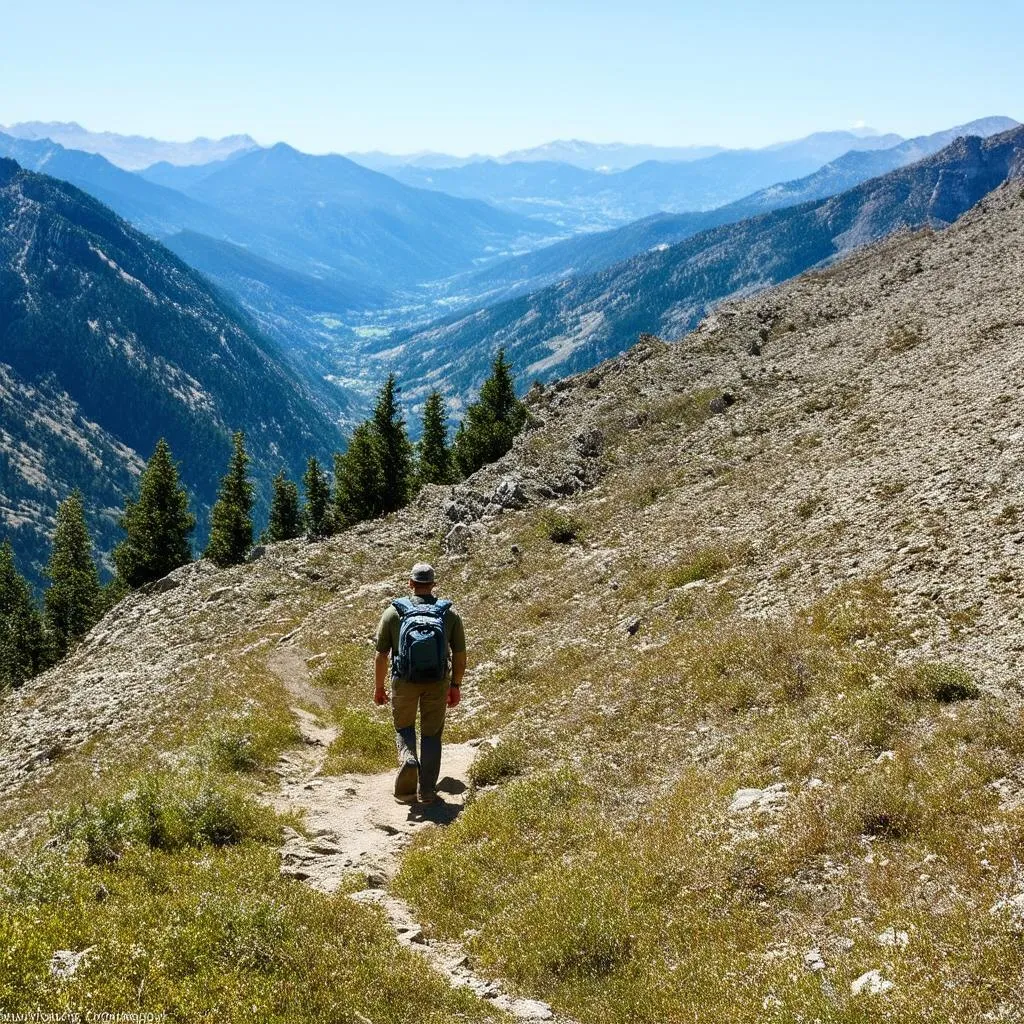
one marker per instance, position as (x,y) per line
(744,798)
(65,962)
(893,939)
(813,960)
(324,846)
(456,541)
(871,983)
(630,624)
(530,1009)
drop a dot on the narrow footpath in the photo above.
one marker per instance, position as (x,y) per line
(356,825)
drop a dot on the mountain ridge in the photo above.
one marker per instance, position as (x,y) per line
(589,253)
(576,322)
(131,152)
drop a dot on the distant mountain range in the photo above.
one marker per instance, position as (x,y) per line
(108,342)
(576,323)
(589,156)
(131,152)
(588,253)
(579,199)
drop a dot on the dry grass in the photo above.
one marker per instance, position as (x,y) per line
(615,880)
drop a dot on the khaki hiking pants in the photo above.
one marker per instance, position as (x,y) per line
(431,700)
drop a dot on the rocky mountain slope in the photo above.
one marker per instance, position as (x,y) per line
(589,253)
(577,322)
(783,625)
(109,342)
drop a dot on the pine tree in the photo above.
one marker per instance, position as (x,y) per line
(22,643)
(395,451)
(285,515)
(358,479)
(157,523)
(72,601)
(317,510)
(491,422)
(434,461)
(231,516)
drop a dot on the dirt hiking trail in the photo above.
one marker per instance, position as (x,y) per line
(357,826)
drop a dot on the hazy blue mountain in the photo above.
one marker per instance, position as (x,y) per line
(377,160)
(588,156)
(612,156)
(588,253)
(329,213)
(130,151)
(263,284)
(584,199)
(576,323)
(183,176)
(150,207)
(122,343)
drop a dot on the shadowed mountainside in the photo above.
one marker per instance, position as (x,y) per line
(112,342)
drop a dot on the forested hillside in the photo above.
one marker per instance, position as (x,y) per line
(124,344)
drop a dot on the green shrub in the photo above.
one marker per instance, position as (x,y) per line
(562,527)
(493,764)
(234,751)
(165,812)
(945,683)
(704,564)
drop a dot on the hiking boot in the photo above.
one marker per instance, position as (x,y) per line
(407,781)
(427,796)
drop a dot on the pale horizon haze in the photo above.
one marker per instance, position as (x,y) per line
(496,76)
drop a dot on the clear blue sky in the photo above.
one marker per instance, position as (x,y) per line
(491,76)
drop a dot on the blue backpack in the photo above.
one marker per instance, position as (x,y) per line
(422,655)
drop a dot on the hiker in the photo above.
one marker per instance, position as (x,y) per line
(417,633)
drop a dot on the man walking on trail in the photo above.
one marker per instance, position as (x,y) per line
(417,633)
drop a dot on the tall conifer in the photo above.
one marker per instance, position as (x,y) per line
(285,514)
(231,516)
(72,600)
(395,451)
(491,422)
(22,644)
(317,509)
(157,523)
(434,463)
(358,479)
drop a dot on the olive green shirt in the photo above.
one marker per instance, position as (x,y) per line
(387,629)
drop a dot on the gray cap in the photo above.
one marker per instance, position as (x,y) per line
(422,573)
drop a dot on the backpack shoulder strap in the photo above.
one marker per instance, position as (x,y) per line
(403,606)
(442,606)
